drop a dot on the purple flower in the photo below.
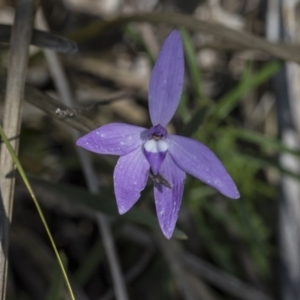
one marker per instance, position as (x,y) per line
(155,153)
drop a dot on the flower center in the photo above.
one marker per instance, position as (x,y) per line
(156,148)
(157,132)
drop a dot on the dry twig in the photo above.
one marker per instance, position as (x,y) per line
(50,106)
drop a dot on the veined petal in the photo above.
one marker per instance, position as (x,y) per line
(167,80)
(168,200)
(155,152)
(199,161)
(113,138)
(130,178)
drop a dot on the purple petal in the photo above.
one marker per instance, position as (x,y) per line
(113,138)
(199,161)
(155,152)
(168,200)
(155,160)
(166,80)
(130,178)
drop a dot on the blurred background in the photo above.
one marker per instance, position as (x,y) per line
(240,101)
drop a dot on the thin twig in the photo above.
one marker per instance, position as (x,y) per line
(64,91)
(106,100)
(50,106)
(20,40)
(93,105)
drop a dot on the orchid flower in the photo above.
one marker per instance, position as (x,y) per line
(166,158)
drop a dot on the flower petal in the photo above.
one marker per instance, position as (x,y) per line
(113,138)
(168,200)
(166,80)
(130,178)
(155,152)
(199,161)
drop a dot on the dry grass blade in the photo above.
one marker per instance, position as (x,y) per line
(244,39)
(20,40)
(42,39)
